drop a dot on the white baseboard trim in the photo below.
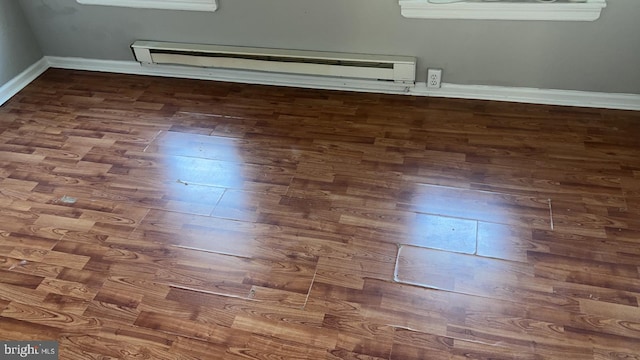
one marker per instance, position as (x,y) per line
(239,76)
(533,96)
(478,92)
(23,79)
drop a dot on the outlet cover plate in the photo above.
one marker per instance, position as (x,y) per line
(434,78)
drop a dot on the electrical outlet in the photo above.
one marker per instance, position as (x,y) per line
(434,78)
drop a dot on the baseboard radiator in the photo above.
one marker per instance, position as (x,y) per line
(399,69)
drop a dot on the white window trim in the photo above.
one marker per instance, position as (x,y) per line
(504,10)
(192,5)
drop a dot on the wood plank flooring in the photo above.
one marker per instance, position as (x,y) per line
(150,218)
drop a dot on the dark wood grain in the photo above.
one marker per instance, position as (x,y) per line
(155,218)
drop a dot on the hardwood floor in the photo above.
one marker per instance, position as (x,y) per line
(149,218)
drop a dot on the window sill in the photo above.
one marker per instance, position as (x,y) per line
(191,5)
(565,11)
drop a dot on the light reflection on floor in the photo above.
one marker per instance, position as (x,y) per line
(460,233)
(208,176)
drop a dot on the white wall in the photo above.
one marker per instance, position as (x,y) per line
(598,56)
